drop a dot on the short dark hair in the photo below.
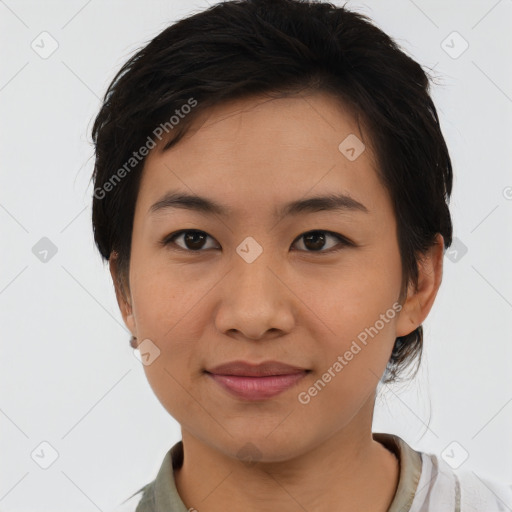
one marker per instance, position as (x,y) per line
(242,48)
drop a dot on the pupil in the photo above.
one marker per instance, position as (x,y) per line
(317,238)
(192,238)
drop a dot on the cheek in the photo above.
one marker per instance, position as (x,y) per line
(351,297)
(358,313)
(170,383)
(175,369)
(161,297)
(164,313)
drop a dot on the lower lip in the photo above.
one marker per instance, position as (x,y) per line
(257,388)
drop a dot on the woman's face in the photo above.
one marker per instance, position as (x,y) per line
(254,286)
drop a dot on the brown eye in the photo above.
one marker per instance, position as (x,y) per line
(193,240)
(315,241)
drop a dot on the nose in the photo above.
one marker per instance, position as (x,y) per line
(255,301)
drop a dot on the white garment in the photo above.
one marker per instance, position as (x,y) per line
(442,489)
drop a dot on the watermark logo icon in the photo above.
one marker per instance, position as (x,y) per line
(45,45)
(249,454)
(44,250)
(456,251)
(249,249)
(44,455)
(454,45)
(455,455)
(351,147)
(146,352)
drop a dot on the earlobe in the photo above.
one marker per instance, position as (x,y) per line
(122,294)
(419,301)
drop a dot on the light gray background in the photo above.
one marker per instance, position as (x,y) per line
(68,375)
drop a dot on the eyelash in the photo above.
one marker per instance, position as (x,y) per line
(344,242)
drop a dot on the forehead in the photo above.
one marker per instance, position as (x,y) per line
(257,152)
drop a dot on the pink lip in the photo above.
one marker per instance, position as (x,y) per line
(257,388)
(256,382)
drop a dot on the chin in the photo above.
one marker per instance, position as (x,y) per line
(263,448)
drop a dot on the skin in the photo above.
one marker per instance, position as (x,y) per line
(291,305)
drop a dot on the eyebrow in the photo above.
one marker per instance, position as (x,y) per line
(331,202)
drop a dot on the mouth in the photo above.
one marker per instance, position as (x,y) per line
(256,382)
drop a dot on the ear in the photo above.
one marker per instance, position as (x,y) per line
(419,302)
(122,290)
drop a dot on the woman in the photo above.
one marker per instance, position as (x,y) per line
(271,188)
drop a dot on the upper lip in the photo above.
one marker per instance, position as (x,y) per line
(245,369)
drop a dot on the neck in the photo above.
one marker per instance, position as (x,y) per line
(345,472)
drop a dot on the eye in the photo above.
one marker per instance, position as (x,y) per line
(316,241)
(193,240)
